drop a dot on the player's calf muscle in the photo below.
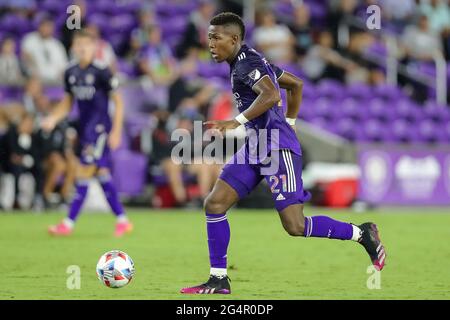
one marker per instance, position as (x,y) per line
(293,220)
(294,229)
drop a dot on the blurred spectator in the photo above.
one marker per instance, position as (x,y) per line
(6,180)
(34,100)
(25,5)
(10,69)
(438,13)
(274,40)
(56,148)
(322,61)
(420,42)
(340,11)
(156,59)
(4,124)
(13,113)
(185,94)
(222,107)
(399,13)
(195,36)
(59,161)
(359,44)
(376,77)
(418,45)
(104,55)
(139,36)
(44,56)
(236,7)
(66,33)
(24,161)
(302,30)
(205,174)
(189,85)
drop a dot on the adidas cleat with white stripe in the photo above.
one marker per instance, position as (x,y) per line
(215,285)
(370,240)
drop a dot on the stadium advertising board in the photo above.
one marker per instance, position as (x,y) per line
(399,176)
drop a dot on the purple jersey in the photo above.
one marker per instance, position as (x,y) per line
(90,88)
(246,70)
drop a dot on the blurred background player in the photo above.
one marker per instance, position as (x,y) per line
(256,87)
(91,86)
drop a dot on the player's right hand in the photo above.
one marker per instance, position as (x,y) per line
(222,125)
(48,123)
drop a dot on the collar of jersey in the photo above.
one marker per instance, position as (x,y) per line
(243,47)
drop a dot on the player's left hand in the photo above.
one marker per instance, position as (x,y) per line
(114,140)
(223,125)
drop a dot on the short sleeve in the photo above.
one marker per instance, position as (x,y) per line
(250,70)
(278,71)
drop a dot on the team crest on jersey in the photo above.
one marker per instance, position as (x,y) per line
(99,128)
(72,79)
(89,79)
(255,74)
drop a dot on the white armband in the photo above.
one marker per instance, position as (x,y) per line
(241,118)
(291,121)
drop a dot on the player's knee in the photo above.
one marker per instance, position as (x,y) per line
(211,205)
(103,172)
(60,167)
(85,172)
(214,204)
(296,229)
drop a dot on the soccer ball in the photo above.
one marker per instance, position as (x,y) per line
(115,269)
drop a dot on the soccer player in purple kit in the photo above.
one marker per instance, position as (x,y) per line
(91,86)
(256,87)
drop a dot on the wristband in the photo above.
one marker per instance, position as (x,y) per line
(241,118)
(291,121)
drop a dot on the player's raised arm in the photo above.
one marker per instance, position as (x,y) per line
(61,110)
(268,96)
(294,90)
(117,125)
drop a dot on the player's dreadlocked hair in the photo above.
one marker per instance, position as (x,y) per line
(225,18)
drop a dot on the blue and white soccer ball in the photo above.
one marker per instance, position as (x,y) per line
(115,269)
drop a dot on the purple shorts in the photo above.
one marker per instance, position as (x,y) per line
(282,171)
(97,153)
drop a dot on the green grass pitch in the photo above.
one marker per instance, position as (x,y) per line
(169,249)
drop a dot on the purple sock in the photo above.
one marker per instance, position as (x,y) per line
(111,195)
(325,227)
(218,239)
(81,188)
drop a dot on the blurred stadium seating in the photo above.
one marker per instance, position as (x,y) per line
(363,111)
